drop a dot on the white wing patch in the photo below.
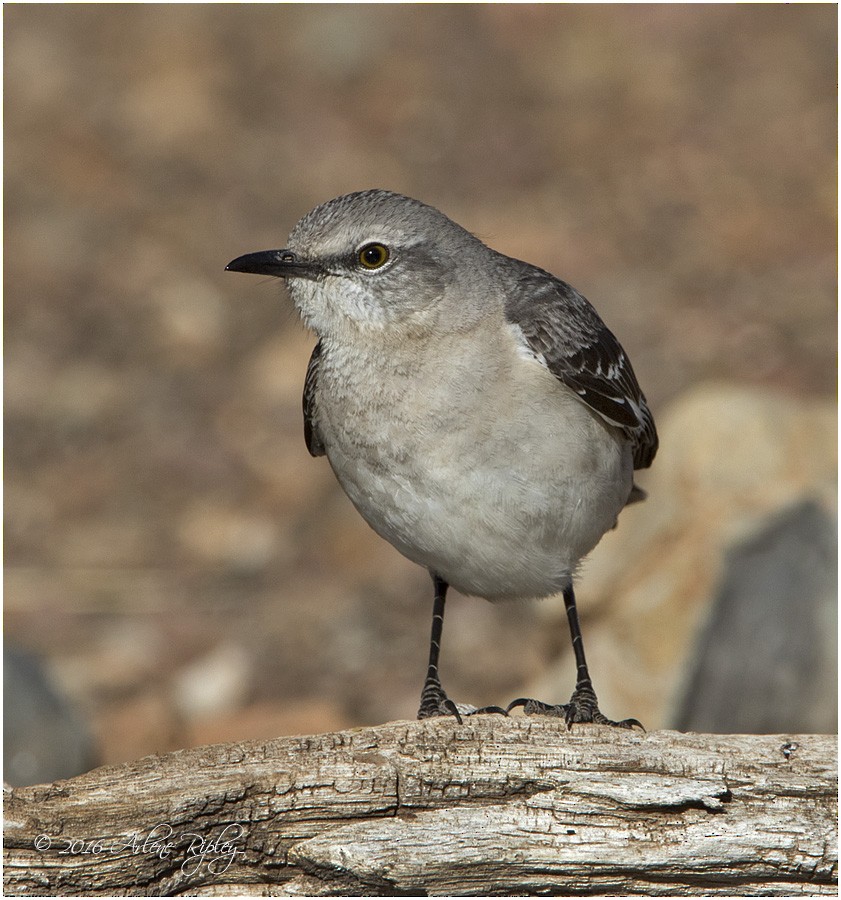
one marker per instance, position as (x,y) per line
(523,348)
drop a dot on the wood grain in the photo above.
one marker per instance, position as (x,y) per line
(499,806)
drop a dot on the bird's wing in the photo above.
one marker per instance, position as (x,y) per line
(563,331)
(315,444)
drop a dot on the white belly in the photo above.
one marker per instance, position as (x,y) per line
(500,495)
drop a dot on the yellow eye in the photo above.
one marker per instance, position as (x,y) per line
(373,256)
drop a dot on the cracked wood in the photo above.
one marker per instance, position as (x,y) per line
(501,806)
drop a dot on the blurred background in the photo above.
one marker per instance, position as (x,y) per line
(178,570)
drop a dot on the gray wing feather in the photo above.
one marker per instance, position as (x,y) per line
(562,328)
(315,444)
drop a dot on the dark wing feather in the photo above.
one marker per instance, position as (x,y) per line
(315,445)
(562,328)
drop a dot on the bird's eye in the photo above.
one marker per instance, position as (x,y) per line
(373,256)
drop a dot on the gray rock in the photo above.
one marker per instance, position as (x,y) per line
(44,737)
(767,660)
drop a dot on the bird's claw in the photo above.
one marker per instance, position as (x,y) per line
(582,708)
(435,702)
(438,705)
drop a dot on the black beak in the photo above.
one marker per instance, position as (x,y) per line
(279,263)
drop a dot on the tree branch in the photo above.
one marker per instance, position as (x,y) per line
(494,806)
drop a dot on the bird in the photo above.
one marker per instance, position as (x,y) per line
(476,410)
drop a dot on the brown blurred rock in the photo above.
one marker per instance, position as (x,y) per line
(264,721)
(220,535)
(145,721)
(124,654)
(729,458)
(215,684)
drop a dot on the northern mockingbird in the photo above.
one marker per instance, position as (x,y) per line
(475,409)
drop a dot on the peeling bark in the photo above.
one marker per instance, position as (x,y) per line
(494,806)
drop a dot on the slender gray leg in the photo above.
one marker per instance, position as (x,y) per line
(434,700)
(583,705)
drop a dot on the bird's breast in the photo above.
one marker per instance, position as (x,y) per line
(492,475)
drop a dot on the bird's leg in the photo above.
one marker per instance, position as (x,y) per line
(434,700)
(583,705)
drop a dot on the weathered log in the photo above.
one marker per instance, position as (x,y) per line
(493,806)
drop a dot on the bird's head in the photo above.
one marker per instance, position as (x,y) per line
(376,260)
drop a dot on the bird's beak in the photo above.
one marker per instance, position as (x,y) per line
(279,263)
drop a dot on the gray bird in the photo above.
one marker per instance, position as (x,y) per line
(474,408)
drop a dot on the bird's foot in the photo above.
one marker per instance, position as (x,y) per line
(582,707)
(435,702)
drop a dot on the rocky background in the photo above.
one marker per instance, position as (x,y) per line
(178,570)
